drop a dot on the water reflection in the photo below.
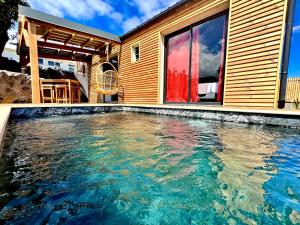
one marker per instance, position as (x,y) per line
(127,168)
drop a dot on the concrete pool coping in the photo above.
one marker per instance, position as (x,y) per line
(284,118)
(5,114)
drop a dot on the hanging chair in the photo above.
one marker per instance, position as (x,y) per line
(108,79)
(107,76)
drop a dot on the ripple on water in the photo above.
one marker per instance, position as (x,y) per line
(126,168)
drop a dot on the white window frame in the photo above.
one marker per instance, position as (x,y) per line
(133,55)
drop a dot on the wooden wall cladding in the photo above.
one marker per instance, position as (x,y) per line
(255,39)
(140,80)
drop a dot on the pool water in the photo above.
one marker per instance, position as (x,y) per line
(127,168)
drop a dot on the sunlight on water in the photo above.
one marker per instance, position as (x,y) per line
(126,168)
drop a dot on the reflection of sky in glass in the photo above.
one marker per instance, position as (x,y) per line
(294,67)
(211,34)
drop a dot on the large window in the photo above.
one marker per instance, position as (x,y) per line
(195,62)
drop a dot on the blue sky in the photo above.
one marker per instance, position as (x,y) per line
(294,66)
(114,16)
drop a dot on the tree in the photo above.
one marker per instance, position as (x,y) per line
(8,18)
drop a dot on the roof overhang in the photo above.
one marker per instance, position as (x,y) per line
(61,39)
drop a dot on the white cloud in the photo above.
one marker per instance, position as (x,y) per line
(131,23)
(296,28)
(89,9)
(79,9)
(151,8)
(147,10)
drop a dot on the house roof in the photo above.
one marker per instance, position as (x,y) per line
(47,18)
(155,18)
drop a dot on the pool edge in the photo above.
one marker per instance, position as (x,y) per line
(257,117)
(5,115)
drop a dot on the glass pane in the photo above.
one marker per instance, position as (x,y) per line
(50,63)
(178,51)
(41,61)
(208,56)
(293,82)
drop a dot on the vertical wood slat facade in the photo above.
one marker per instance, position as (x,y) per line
(255,39)
(293,90)
(253,57)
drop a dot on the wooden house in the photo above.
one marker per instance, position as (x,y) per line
(221,52)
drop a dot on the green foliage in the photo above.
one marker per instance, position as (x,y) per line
(296,104)
(9,13)
(8,18)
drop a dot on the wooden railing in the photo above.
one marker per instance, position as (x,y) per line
(293,90)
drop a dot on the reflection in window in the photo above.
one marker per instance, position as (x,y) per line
(178,67)
(208,48)
(50,63)
(41,61)
(71,68)
(135,51)
(195,62)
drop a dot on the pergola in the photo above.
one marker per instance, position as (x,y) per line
(46,36)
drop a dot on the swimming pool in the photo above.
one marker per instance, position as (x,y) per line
(130,168)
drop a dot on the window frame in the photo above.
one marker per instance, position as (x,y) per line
(133,53)
(71,66)
(190,28)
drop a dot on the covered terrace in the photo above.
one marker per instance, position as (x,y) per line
(42,35)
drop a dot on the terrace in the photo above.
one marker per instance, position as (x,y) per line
(45,36)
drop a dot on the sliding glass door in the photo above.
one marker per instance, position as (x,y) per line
(178,52)
(195,62)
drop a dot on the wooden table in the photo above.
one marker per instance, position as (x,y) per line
(71,84)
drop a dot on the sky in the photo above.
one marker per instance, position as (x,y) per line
(114,16)
(294,64)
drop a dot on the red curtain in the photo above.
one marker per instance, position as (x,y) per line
(178,68)
(195,65)
(222,61)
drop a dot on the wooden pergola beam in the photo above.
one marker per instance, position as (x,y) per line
(20,35)
(70,31)
(100,46)
(47,35)
(87,42)
(69,39)
(34,64)
(65,47)
(68,58)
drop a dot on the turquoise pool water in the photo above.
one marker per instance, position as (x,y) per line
(126,168)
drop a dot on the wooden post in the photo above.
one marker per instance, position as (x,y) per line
(34,64)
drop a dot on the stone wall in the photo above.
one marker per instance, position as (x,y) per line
(291,120)
(14,87)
